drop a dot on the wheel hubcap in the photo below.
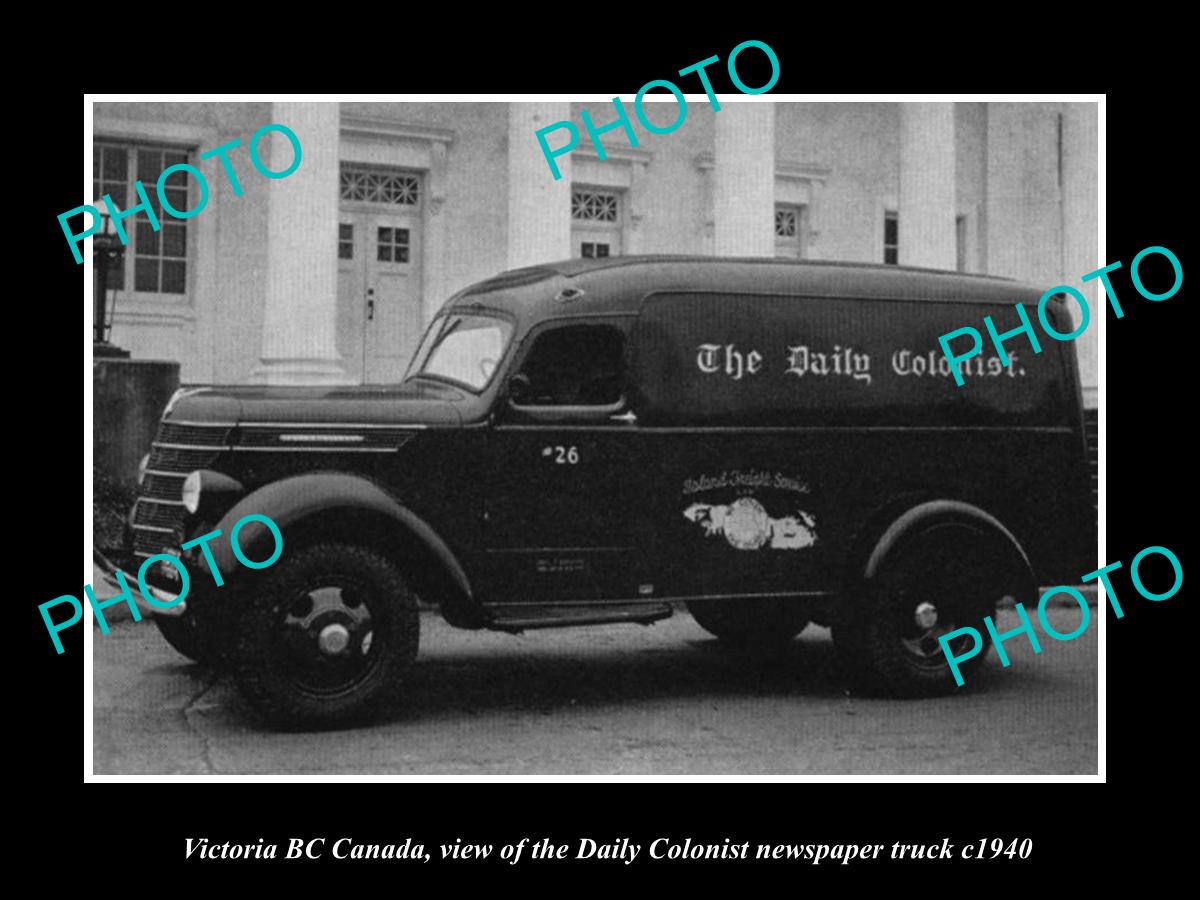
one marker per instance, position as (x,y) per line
(333,639)
(945,578)
(926,624)
(327,635)
(926,614)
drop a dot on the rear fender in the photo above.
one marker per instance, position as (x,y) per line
(941,511)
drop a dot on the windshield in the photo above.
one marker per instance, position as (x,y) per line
(463,349)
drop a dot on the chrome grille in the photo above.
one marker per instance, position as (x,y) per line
(160,486)
(165,515)
(148,543)
(171,459)
(177,450)
(206,435)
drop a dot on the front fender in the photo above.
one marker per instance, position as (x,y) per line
(290,501)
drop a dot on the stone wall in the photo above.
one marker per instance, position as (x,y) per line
(128,396)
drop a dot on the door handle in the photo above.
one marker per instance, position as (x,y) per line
(629,418)
(370,304)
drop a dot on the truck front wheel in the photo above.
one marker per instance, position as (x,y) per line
(323,638)
(186,636)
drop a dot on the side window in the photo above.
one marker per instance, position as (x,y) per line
(891,238)
(573,365)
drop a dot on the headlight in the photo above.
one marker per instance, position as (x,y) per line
(191,492)
(142,466)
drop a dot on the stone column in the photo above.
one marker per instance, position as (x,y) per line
(1005,220)
(539,207)
(744,180)
(927,207)
(1022,193)
(1080,236)
(299,339)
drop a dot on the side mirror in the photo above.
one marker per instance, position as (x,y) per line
(520,389)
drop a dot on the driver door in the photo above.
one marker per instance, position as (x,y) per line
(564,511)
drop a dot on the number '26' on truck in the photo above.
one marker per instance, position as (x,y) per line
(764,443)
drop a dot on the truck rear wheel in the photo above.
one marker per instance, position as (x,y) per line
(947,576)
(323,638)
(751,621)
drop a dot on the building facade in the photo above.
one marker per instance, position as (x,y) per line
(330,274)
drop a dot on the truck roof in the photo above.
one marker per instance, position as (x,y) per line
(618,284)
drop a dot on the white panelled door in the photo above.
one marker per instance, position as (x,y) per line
(392,325)
(379,271)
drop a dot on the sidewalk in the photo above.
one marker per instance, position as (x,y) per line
(104,587)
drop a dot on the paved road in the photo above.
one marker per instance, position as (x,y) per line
(621,699)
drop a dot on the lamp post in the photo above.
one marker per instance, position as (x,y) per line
(107,253)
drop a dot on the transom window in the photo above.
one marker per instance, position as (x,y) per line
(157,260)
(374,186)
(594,206)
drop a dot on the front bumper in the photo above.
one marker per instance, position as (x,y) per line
(162,596)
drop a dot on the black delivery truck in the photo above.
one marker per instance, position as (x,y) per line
(763,443)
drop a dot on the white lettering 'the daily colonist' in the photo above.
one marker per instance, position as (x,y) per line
(842,361)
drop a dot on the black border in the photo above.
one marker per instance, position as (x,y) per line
(1146,445)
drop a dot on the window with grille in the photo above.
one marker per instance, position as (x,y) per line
(376,186)
(891,237)
(785,223)
(393,245)
(594,206)
(594,249)
(154,261)
(790,231)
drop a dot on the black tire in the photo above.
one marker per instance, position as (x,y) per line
(752,622)
(881,631)
(294,677)
(186,635)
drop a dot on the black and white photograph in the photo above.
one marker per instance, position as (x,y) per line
(671,436)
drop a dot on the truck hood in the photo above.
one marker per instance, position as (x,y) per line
(413,403)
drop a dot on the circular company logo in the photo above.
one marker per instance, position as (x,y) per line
(747,525)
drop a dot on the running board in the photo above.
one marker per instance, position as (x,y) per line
(565,618)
